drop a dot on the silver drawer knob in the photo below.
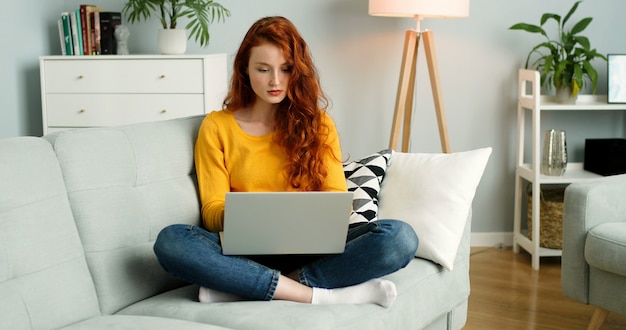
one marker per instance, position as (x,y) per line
(164,111)
(81,77)
(162,76)
(82,111)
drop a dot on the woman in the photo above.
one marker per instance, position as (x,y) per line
(275,135)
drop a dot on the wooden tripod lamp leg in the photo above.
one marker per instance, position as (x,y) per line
(598,317)
(406,88)
(431,59)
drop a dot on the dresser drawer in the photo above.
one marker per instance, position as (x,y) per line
(86,110)
(124,76)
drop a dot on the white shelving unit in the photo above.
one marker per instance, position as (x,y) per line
(529,99)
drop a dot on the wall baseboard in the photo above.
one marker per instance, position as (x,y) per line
(491,239)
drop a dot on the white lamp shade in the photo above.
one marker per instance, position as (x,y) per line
(421,8)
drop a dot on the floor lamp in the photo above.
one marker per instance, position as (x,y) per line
(418,9)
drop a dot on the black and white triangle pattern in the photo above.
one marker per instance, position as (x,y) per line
(364,177)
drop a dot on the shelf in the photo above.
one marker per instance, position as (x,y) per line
(584,102)
(530,99)
(528,245)
(573,173)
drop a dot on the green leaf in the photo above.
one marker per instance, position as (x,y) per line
(593,75)
(578,75)
(583,41)
(529,28)
(547,16)
(580,26)
(571,12)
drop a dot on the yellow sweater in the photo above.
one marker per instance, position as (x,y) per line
(228,159)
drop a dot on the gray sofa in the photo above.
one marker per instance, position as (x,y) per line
(79,212)
(594,245)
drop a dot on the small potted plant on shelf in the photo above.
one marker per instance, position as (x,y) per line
(564,62)
(200,13)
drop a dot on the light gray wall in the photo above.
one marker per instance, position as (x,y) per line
(29,30)
(358,57)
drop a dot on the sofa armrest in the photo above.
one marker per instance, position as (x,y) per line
(587,204)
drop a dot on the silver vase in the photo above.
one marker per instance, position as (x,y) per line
(554,157)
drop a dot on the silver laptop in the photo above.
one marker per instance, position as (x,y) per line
(266,223)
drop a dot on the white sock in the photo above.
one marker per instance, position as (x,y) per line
(206,295)
(376,291)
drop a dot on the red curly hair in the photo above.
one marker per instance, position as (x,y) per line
(299,127)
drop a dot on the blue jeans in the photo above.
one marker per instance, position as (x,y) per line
(372,250)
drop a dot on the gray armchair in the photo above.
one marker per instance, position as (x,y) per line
(594,245)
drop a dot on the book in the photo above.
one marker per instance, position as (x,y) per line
(83,25)
(74,30)
(95,31)
(67,33)
(108,21)
(89,10)
(79,31)
(61,36)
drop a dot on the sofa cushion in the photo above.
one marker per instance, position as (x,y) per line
(363,177)
(434,194)
(605,247)
(44,280)
(128,322)
(426,292)
(125,184)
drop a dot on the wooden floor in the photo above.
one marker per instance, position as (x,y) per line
(506,293)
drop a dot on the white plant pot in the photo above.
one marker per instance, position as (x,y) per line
(564,95)
(172,41)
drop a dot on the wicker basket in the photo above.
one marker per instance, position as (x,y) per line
(551,217)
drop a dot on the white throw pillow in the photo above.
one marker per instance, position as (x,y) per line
(433,193)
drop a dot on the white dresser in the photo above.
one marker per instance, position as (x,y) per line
(88,91)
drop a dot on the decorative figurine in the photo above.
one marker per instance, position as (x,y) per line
(121,36)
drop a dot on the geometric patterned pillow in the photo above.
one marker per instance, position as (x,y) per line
(364,177)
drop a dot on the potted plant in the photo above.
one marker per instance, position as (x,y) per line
(200,13)
(565,61)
